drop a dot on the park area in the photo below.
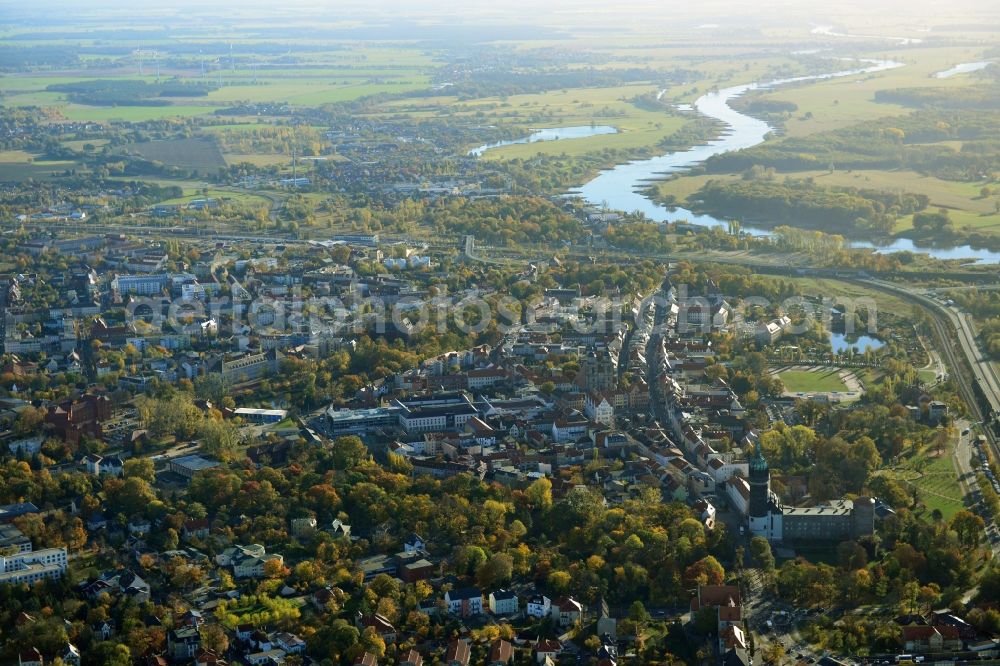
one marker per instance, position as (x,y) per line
(931,474)
(813,380)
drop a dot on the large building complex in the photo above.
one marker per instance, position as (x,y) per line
(33,566)
(839,520)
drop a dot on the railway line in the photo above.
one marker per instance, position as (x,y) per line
(974,373)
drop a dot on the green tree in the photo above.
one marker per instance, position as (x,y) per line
(219,438)
(539,494)
(141,468)
(349,452)
(107,653)
(969,528)
(495,571)
(760,551)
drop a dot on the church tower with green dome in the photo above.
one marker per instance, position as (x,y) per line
(760,506)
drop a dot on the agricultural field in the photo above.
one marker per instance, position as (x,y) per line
(16,165)
(324,78)
(196,154)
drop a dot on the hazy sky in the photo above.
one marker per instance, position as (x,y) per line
(550,13)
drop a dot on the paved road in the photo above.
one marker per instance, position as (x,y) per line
(957,342)
(971,369)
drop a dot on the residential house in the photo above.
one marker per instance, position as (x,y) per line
(414,543)
(411,658)
(458,654)
(209,658)
(105,629)
(711,596)
(183,643)
(598,408)
(547,649)
(566,611)
(339,529)
(289,643)
(464,602)
(30,657)
(503,602)
(195,528)
(925,638)
(539,606)
(381,624)
(269,657)
(501,653)
(366,659)
(945,617)
(70,655)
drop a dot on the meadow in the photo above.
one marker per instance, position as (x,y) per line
(933,476)
(821,380)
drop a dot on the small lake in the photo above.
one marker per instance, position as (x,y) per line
(841,343)
(963,68)
(549,134)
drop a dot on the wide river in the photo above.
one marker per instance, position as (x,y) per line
(620,188)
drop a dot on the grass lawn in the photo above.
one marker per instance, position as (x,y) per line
(934,478)
(822,380)
(232,196)
(927,376)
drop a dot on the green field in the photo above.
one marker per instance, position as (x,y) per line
(836,103)
(966,206)
(199,154)
(16,165)
(82,112)
(934,478)
(231,196)
(822,380)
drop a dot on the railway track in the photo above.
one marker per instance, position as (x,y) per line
(974,375)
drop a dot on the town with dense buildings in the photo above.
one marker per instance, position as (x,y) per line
(328,351)
(219,454)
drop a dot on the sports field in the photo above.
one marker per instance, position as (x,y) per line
(820,380)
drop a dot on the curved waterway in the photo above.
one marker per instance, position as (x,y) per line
(963,68)
(828,31)
(619,188)
(549,134)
